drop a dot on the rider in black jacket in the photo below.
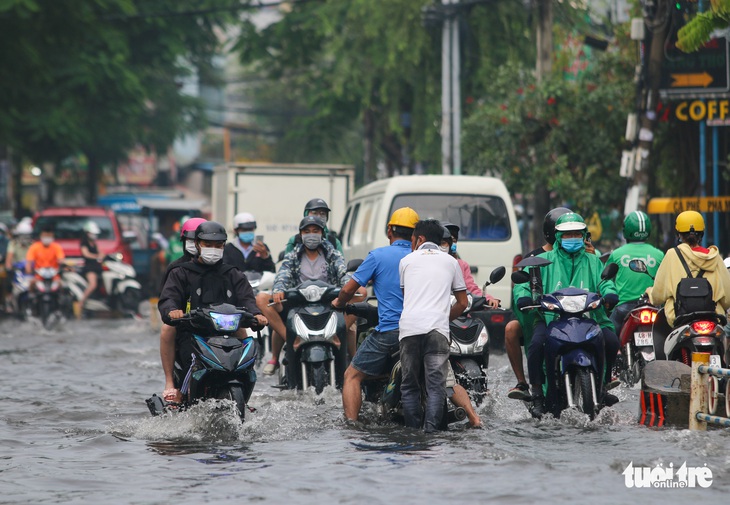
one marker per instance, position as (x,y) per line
(200,283)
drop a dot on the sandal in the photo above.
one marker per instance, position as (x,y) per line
(271,367)
(172,395)
(520,392)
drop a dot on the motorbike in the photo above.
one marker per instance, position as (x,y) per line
(469,348)
(261,282)
(314,351)
(385,391)
(573,341)
(694,332)
(21,299)
(637,343)
(222,364)
(118,288)
(50,300)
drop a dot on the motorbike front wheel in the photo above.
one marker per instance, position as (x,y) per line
(130,298)
(234,393)
(319,376)
(583,391)
(44,312)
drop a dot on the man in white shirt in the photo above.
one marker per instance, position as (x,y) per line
(427,277)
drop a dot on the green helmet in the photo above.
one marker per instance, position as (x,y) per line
(569,222)
(637,227)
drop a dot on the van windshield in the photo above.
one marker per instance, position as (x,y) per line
(72,227)
(479,217)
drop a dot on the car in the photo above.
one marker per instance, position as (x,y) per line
(68,227)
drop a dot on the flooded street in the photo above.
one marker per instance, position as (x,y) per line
(74,428)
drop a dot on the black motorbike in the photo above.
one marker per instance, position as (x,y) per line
(222,364)
(51,300)
(316,349)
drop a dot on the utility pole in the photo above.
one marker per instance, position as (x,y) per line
(450,90)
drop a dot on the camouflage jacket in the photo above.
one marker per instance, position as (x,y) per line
(288,275)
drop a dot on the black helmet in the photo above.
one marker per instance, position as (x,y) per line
(315,220)
(447,233)
(453,228)
(548,226)
(210,230)
(316,203)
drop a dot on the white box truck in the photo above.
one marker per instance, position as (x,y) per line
(275,193)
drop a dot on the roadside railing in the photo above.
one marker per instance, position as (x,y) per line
(705,393)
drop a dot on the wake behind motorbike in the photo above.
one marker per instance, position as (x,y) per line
(469,348)
(315,350)
(222,364)
(574,341)
(118,288)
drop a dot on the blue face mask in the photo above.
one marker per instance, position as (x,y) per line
(572,245)
(453,249)
(246,237)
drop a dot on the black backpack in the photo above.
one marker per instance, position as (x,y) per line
(694,294)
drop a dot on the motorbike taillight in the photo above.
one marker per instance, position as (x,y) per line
(703,327)
(647,316)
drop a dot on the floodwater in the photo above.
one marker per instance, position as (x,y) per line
(74,428)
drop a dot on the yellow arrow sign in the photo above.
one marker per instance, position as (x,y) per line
(691,80)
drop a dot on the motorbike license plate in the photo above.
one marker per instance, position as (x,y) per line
(715,361)
(642,338)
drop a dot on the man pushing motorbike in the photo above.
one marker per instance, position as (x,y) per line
(572,266)
(199,283)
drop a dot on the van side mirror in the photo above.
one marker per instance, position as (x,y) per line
(354,264)
(520,277)
(610,271)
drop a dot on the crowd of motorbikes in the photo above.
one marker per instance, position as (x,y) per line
(49,294)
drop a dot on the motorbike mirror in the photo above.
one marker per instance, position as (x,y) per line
(610,271)
(497,275)
(353,265)
(638,266)
(520,277)
(604,257)
(281,256)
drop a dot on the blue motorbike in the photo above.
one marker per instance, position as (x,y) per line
(574,341)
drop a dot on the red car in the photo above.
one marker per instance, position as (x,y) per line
(68,226)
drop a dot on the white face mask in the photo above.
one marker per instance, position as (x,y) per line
(190,247)
(444,248)
(46,241)
(211,255)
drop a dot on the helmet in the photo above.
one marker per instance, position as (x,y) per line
(453,228)
(570,222)
(92,227)
(187,231)
(447,235)
(405,217)
(23,228)
(726,261)
(311,220)
(689,221)
(637,227)
(316,203)
(244,220)
(210,230)
(548,226)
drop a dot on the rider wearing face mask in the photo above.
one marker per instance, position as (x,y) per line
(313,259)
(202,282)
(45,253)
(572,266)
(244,252)
(318,208)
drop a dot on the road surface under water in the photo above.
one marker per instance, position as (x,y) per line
(74,428)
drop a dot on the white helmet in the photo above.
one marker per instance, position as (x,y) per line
(23,228)
(92,227)
(727,262)
(244,218)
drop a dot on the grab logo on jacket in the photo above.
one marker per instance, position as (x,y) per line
(649,260)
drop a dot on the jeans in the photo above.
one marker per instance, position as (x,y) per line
(536,353)
(620,312)
(424,356)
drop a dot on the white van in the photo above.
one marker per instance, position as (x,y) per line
(481,206)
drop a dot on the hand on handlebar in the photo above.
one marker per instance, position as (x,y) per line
(175,314)
(277,297)
(261,321)
(494,303)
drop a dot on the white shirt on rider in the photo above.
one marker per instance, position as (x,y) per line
(428,277)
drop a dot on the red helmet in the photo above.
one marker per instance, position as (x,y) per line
(188,228)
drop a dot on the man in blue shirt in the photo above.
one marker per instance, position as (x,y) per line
(380,267)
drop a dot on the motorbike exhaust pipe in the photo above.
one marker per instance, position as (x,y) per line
(456,415)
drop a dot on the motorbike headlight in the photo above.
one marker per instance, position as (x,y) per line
(225,322)
(573,304)
(331,329)
(454,347)
(301,328)
(47,273)
(482,340)
(312,293)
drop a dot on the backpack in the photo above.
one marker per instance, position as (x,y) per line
(212,284)
(694,294)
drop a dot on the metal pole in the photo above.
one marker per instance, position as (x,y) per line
(697,396)
(446,96)
(456,93)
(703,166)
(715,186)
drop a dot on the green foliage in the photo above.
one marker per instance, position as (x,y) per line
(692,36)
(563,135)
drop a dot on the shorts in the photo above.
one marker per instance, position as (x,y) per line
(374,353)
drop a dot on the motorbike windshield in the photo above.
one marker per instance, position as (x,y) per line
(225,322)
(574,303)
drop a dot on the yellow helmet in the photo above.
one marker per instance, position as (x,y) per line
(404,217)
(688,221)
